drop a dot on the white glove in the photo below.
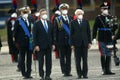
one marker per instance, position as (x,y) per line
(94,41)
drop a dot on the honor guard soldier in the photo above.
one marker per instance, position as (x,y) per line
(23,39)
(62,38)
(104,38)
(10,32)
(56,13)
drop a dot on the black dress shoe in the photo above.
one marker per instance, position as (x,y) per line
(79,77)
(85,77)
(48,78)
(28,77)
(41,78)
(110,73)
(67,75)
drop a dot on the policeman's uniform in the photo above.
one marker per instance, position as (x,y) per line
(104,39)
(62,40)
(10,32)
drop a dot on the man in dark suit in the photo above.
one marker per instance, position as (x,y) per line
(43,40)
(23,39)
(80,42)
(62,38)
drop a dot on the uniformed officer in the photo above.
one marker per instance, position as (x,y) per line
(104,37)
(62,38)
(56,13)
(10,31)
(23,38)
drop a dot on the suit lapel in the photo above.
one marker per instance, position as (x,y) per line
(43,25)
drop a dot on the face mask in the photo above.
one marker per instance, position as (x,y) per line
(64,11)
(37,14)
(80,16)
(30,12)
(25,16)
(44,16)
(105,12)
(14,15)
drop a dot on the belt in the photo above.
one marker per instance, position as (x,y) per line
(104,29)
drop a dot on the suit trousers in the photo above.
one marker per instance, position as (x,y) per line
(81,53)
(48,61)
(65,59)
(25,66)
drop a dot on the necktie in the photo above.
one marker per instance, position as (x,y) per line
(45,26)
(80,21)
(66,19)
(26,21)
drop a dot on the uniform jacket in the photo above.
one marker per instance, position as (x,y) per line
(20,37)
(40,37)
(10,33)
(80,33)
(101,22)
(61,38)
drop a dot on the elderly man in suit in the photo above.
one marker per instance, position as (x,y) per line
(80,42)
(43,40)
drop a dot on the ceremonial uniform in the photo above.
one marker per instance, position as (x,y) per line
(23,38)
(10,32)
(62,39)
(104,38)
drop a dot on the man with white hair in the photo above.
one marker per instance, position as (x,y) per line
(80,42)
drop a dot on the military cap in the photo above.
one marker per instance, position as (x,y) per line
(24,9)
(55,9)
(105,5)
(12,11)
(64,5)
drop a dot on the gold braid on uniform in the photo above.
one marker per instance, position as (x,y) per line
(59,23)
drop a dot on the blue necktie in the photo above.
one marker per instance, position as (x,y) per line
(45,26)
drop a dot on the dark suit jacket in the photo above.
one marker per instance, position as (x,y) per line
(60,35)
(40,37)
(80,33)
(20,37)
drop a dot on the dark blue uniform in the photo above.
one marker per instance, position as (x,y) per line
(104,38)
(62,40)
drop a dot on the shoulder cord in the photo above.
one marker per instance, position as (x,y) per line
(59,23)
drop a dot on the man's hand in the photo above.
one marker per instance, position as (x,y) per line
(89,45)
(72,47)
(37,48)
(53,47)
